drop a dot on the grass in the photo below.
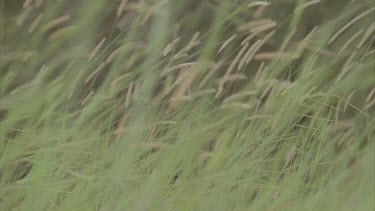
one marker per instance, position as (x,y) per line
(187,105)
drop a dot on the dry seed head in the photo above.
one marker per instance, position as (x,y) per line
(256,23)
(120,130)
(236,60)
(35,23)
(87,98)
(180,55)
(349,41)
(248,54)
(23,16)
(268,88)
(195,37)
(128,95)
(119,78)
(126,20)
(220,89)
(171,87)
(347,66)
(248,39)
(230,69)
(14,56)
(204,156)
(210,73)
(371,95)
(193,42)
(259,116)
(259,72)
(176,30)
(182,75)
(57,34)
(281,86)
(164,92)
(204,92)
(170,47)
(232,77)
(290,155)
(177,67)
(268,36)
(38,3)
(188,81)
(237,105)
(115,53)
(352,1)
(257,31)
(185,86)
(225,44)
(99,68)
(287,40)
(320,50)
(368,33)
(350,23)
(369,53)
(27,3)
(97,49)
(181,99)
(258,3)
(41,72)
(340,126)
(264,27)
(347,101)
(239,95)
(259,12)
(302,45)
(176,102)
(252,51)
(307,4)
(148,15)
(166,122)
(121,8)
(275,56)
(56,22)
(370,104)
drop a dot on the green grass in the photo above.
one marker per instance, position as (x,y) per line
(156,118)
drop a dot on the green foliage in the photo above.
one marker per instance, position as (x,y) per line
(187,105)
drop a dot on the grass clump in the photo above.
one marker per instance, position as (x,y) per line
(187,105)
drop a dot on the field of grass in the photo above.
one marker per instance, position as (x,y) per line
(187,105)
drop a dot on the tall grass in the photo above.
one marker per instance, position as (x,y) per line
(187,105)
